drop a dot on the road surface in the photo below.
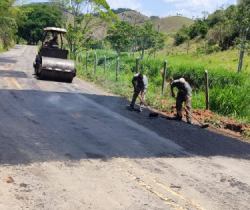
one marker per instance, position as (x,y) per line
(73,146)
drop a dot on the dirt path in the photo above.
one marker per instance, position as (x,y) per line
(73,146)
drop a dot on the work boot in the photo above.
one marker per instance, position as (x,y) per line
(131,106)
(177,118)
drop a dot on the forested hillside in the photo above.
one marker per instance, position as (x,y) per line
(225,28)
(10,18)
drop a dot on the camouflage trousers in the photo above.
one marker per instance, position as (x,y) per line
(179,101)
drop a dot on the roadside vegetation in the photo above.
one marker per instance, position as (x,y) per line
(229,91)
(9,20)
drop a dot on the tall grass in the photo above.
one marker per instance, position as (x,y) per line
(229,91)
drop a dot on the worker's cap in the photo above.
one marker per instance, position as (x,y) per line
(182,80)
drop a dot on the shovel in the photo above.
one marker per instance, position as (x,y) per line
(202,125)
(151,114)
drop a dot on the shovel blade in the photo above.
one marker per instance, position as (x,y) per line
(205,126)
(153,115)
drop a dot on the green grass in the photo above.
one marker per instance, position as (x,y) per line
(227,60)
(229,91)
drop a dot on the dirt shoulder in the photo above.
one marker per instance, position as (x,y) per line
(221,125)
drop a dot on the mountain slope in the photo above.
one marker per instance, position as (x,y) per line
(133,17)
(165,25)
(170,24)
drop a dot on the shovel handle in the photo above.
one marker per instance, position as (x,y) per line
(193,116)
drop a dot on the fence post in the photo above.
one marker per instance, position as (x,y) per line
(117,69)
(95,69)
(164,76)
(87,55)
(137,64)
(207,90)
(104,63)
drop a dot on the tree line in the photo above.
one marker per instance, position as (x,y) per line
(125,37)
(26,23)
(9,21)
(221,30)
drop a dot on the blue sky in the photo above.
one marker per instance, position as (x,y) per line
(164,8)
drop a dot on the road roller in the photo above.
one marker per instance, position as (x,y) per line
(51,61)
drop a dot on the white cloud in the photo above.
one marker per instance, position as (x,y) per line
(194,8)
(131,4)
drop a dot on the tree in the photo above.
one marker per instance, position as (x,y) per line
(97,12)
(7,33)
(198,28)
(10,16)
(38,16)
(158,43)
(244,22)
(205,15)
(146,37)
(120,37)
(182,35)
(77,39)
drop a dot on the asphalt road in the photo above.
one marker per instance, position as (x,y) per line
(73,146)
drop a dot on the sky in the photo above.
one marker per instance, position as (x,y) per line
(165,8)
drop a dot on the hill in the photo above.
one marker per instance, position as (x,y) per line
(165,25)
(133,17)
(170,24)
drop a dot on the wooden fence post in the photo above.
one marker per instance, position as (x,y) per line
(117,69)
(87,55)
(95,69)
(137,64)
(104,63)
(164,76)
(207,90)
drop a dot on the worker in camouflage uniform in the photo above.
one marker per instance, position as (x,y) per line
(184,95)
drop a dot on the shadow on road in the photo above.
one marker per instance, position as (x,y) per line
(10,73)
(7,60)
(39,126)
